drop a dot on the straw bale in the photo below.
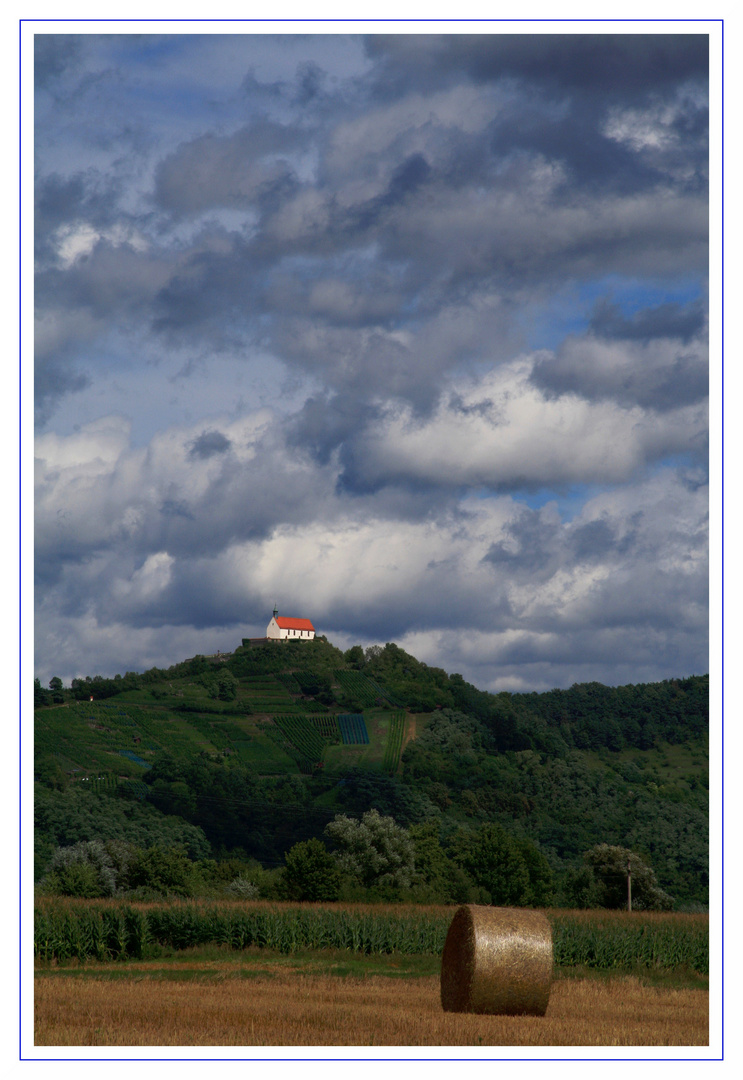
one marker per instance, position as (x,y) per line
(497,960)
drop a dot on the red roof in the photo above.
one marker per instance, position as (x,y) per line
(293,624)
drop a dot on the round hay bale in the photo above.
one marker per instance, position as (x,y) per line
(497,960)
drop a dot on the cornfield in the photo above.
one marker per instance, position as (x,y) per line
(95,933)
(99,931)
(657,943)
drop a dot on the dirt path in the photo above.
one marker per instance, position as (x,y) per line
(411,730)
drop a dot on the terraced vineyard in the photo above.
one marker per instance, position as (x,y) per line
(353,729)
(385,694)
(368,692)
(393,749)
(300,738)
(328,728)
(265,694)
(289,683)
(356,684)
(96,738)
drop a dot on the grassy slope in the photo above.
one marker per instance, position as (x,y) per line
(121,736)
(90,736)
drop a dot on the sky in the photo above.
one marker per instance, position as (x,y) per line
(403,333)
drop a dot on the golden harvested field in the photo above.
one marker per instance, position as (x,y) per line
(272,1003)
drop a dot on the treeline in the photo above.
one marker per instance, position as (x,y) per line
(558,773)
(371,858)
(204,826)
(588,716)
(567,803)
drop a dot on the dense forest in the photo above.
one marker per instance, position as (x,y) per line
(239,773)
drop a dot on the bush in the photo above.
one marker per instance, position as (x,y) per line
(608,865)
(168,872)
(84,869)
(310,872)
(243,889)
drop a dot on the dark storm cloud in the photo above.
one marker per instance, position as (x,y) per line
(61,201)
(561,89)
(211,295)
(670,320)
(614,65)
(530,545)
(54,379)
(176,508)
(340,292)
(194,596)
(323,425)
(360,366)
(632,361)
(537,544)
(209,444)
(53,55)
(311,83)
(591,160)
(468,211)
(407,178)
(108,280)
(597,540)
(232,171)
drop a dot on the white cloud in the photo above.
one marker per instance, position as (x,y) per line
(76,240)
(652,127)
(503,431)
(301,272)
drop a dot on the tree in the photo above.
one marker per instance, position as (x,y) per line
(437,878)
(41,696)
(55,685)
(49,772)
(432,866)
(82,869)
(539,892)
(163,871)
(227,686)
(579,888)
(311,872)
(494,861)
(608,867)
(375,851)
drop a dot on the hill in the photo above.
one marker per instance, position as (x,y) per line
(254,751)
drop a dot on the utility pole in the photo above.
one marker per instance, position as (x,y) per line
(629,886)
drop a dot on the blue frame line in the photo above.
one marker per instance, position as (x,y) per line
(367,21)
(20,535)
(722,539)
(592,21)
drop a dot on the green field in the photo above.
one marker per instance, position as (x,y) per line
(266,727)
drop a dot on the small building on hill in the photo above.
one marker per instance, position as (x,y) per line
(282,628)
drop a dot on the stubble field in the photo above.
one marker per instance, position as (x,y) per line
(260,1001)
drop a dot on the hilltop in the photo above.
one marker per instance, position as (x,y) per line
(253,751)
